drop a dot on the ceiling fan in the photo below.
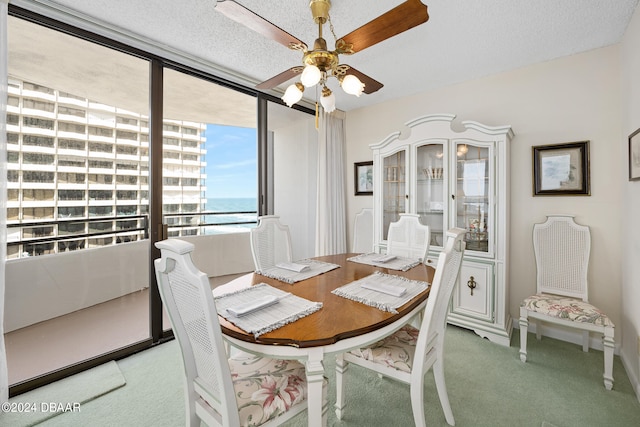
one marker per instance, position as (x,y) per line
(319,63)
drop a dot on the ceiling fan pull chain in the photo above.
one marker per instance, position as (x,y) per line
(335,39)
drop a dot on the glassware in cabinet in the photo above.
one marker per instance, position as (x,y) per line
(394,188)
(431,191)
(473,194)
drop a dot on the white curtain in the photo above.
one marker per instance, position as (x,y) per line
(331,230)
(4,377)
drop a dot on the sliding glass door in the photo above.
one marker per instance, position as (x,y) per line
(78,248)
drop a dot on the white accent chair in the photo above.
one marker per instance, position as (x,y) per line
(408,237)
(561,250)
(409,353)
(221,391)
(270,243)
(363,232)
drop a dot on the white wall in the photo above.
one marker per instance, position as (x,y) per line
(631,205)
(222,254)
(570,99)
(48,286)
(295,165)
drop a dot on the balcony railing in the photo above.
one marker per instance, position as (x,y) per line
(36,238)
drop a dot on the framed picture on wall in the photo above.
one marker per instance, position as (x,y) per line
(363,178)
(561,169)
(634,156)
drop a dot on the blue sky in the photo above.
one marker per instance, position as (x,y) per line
(231,162)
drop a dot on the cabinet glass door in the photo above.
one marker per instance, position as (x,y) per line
(394,191)
(473,187)
(431,201)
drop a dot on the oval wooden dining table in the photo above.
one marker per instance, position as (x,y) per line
(340,325)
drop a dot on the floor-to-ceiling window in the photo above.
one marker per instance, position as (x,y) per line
(84,127)
(209,156)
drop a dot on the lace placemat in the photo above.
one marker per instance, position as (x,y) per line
(399,263)
(288,276)
(288,309)
(383,301)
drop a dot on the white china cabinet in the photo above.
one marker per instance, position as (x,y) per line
(453,179)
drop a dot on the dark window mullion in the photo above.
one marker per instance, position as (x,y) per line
(155,193)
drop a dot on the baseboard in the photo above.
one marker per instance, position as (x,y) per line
(568,335)
(631,374)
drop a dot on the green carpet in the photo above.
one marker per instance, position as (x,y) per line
(69,394)
(559,386)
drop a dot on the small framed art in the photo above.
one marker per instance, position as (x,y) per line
(561,169)
(634,156)
(363,178)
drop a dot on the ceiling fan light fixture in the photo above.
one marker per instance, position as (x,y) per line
(293,94)
(405,16)
(311,75)
(328,100)
(352,85)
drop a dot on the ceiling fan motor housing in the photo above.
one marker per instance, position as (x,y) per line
(320,10)
(320,56)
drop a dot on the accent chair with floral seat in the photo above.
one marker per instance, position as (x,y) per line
(562,249)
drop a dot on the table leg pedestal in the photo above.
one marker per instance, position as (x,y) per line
(341,368)
(316,397)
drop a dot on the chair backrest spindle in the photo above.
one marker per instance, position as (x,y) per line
(187,297)
(447,270)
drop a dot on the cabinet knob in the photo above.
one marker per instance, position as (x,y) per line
(453,197)
(471,283)
(406,196)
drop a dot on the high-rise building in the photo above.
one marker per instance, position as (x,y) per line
(78,172)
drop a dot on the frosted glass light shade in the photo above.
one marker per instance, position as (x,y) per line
(293,94)
(352,85)
(310,76)
(328,102)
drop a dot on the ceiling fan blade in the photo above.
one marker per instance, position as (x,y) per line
(401,18)
(280,78)
(370,85)
(257,23)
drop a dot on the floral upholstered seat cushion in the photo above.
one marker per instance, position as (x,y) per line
(266,388)
(566,308)
(397,350)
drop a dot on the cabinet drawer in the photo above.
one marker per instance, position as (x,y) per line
(477,302)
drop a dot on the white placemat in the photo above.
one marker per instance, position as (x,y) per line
(288,309)
(288,276)
(399,263)
(383,301)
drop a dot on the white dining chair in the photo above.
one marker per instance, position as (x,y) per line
(270,243)
(221,391)
(409,353)
(408,237)
(561,249)
(363,232)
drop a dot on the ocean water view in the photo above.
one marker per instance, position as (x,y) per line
(229,208)
(232,204)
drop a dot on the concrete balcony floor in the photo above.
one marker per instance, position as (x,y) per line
(65,340)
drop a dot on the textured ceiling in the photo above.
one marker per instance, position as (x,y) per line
(462,40)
